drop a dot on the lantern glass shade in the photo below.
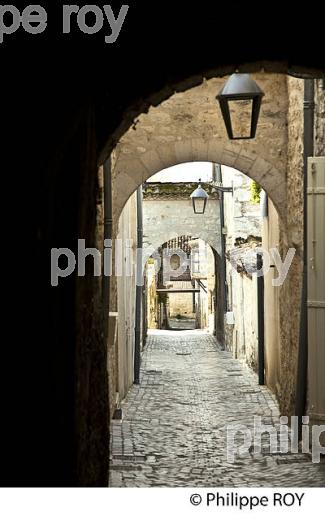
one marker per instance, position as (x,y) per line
(240,102)
(199,199)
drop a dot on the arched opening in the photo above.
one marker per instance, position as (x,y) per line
(188,127)
(168,225)
(181,286)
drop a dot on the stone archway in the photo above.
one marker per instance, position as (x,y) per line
(166,255)
(188,127)
(131,173)
(154,244)
(167,215)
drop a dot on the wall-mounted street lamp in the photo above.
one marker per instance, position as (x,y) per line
(239,95)
(199,199)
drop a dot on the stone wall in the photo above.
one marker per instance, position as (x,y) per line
(242,336)
(290,292)
(90,410)
(243,232)
(319,118)
(181,304)
(166,217)
(242,215)
(152,301)
(110,340)
(204,269)
(292,236)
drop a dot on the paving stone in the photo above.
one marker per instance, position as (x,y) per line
(174,427)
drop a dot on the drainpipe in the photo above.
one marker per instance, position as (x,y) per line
(264,205)
(139,289)
(223,239)
(108,224)
(144,313)
(260,322)
(215,324)
(223,243)
(301,386)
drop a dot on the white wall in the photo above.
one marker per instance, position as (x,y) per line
(164,220)
(271,239)
(126,289)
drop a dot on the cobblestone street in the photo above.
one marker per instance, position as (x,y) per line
(173,431)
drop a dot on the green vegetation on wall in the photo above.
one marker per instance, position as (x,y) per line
(255,192)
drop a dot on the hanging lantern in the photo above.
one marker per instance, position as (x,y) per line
(199,199)
(240,102)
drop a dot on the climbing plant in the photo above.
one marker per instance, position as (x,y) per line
(255,192)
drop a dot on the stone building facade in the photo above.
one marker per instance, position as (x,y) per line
(243,234)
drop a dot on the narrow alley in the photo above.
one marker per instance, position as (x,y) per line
(165,258)
(174,427)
